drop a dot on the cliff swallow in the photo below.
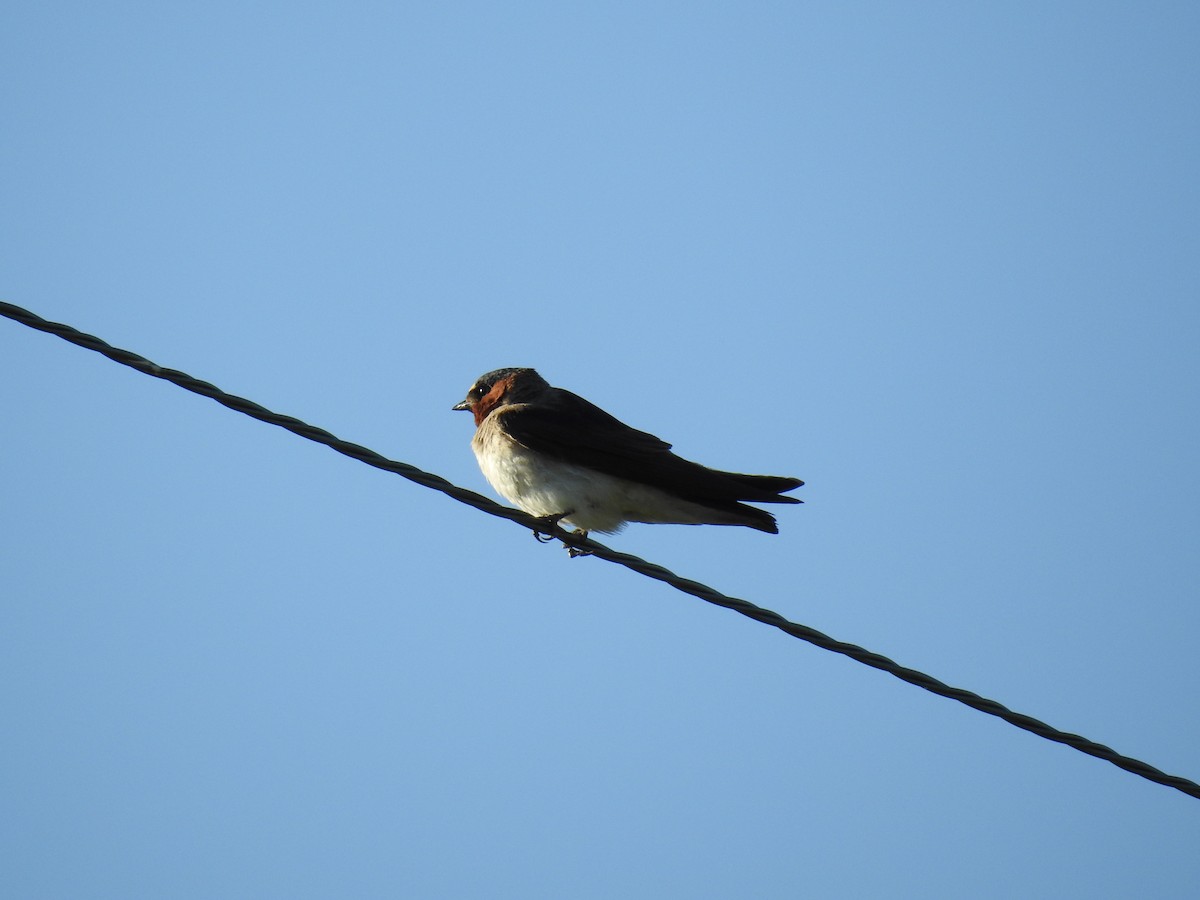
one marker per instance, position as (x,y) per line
(559,457)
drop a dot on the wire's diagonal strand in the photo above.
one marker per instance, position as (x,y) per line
(641,566)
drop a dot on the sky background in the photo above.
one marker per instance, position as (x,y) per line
(940,260)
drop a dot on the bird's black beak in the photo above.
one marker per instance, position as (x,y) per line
(462,404)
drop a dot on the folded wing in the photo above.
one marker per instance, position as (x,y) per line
(573,429)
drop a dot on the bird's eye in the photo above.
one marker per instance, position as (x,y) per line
(477,391)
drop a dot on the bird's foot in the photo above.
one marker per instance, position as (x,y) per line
(579,535)
(551,522)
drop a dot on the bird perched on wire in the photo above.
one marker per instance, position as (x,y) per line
(559,457)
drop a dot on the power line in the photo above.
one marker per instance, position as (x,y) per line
(641,566)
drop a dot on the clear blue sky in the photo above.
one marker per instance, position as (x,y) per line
(940,260)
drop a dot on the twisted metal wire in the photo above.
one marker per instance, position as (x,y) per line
(541,526)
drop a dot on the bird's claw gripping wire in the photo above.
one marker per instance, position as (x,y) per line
(551,523)
(572,551)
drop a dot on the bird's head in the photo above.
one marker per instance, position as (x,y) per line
(500,388)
